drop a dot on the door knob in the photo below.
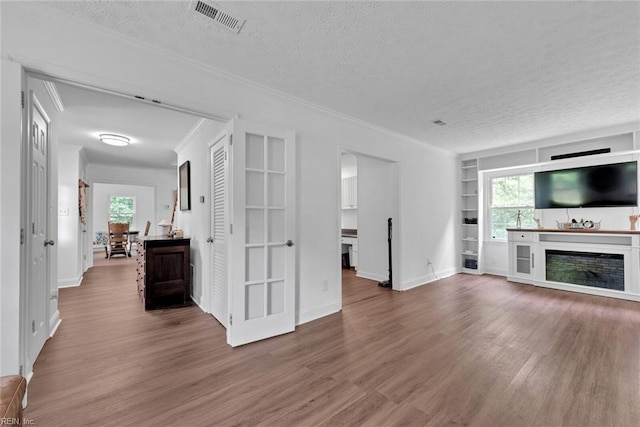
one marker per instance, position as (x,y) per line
(49,243)
(210,240)
(289,243)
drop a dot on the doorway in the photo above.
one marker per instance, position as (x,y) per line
(64,234)
(369,197)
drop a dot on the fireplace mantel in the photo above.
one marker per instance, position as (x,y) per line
(573,231)
(528,257)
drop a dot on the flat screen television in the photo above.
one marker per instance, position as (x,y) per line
(608,185)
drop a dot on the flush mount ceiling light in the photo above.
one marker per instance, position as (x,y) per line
(112,139)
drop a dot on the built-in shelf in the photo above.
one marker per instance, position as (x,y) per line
(469,233)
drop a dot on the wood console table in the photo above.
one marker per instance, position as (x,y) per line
(163,271)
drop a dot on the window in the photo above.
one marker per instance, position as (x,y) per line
(510,194)
(122,209)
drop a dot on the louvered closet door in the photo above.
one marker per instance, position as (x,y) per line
(220,229)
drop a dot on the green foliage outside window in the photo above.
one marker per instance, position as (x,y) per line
(122,209)
(511,194)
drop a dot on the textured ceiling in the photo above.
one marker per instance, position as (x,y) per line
(498,73)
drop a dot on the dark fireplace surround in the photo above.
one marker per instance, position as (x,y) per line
(598,270)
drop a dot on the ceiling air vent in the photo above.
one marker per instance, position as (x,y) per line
(218,15)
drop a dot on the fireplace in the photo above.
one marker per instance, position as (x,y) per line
(598,270)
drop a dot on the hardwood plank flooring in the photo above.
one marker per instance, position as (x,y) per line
(465,350)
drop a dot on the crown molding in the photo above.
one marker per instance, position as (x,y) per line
(187,137)
(54,95)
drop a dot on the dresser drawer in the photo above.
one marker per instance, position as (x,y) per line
(515,236)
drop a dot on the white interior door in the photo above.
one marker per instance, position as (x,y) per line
(263,288)
(37,230)
(219,238)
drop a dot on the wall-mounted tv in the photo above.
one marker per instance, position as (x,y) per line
(608,185)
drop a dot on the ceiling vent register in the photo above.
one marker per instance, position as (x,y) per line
(219,16)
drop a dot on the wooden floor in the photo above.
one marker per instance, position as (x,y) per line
(466,350)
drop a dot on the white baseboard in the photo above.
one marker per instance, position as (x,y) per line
(196,301)
(371,276)
(71,282)
(495,272)
(54,323)
(317,313)
(423,280)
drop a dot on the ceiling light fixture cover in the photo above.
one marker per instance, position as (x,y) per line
(112,139)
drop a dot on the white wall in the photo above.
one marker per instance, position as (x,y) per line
(350,219)
(195,223)
(163,181)
(145,201)
(70,236)
(377,201)
(427,176)
(10,171)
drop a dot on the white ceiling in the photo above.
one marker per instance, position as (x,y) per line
(154,131)
(498,73)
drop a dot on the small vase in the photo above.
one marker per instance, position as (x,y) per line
(633,219)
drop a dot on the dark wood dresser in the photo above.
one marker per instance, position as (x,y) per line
(163,271)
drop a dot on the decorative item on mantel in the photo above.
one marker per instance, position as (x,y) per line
(519,219)
(538,223)
(579,225)
(633,219)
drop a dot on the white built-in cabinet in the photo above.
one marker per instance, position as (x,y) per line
(350,192)
(470,233)
(529,249)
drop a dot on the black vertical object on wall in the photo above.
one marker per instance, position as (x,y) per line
(388,283)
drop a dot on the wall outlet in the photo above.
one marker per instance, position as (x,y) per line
(325,285)
(428,261)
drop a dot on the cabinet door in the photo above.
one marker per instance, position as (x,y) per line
(350,192)
(345,193)
(354,192)
(523,261)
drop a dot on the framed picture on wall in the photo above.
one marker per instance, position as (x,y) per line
(184,174)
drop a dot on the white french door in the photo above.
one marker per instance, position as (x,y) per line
(262,291)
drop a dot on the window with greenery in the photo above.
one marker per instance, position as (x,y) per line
(510,194)
(122,209)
